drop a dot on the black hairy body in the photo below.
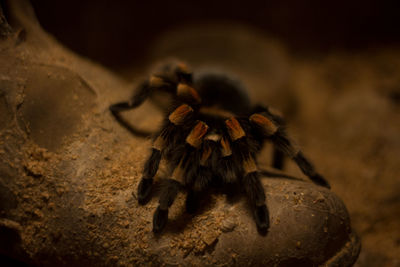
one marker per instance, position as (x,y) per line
(210,135)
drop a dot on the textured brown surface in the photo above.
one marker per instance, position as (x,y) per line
(69,172)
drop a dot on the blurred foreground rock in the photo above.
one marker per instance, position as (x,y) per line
(69,172)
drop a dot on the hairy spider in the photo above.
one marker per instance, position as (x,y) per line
(211,135)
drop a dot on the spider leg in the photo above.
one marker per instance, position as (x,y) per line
(165,80)
(308,169)
(226,164)
(168,194)
(277,158)
(251,179)
(172,83)
(138,98)
(202,178)
(149,171)
(142,93)
(283,142)
(256,195)
(177,117)
(199,175)
(278,136)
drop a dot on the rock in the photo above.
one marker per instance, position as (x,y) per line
(56,99)
(58,132)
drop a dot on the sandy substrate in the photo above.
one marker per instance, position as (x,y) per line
(69,171)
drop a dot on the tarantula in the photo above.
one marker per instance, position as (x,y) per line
(211,135)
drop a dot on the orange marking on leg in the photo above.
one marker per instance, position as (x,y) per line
(178,116)
(195,138)
(159,143)
(178,173)
(226,148)
(183,67)
(235,130)
(155,81)
(249,165)
(206,154)
(184,90)
(266,124)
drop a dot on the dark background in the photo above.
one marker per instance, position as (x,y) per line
(116,32)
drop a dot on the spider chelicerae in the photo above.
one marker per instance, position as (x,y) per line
(210,136)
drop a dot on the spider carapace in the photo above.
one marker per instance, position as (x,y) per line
(210,136)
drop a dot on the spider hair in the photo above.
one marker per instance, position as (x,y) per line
(210,135)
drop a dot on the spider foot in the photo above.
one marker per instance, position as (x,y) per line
(262,218)
(319,180)
(144,190)
(160,220)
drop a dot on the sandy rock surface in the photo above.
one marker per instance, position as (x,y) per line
(69,172)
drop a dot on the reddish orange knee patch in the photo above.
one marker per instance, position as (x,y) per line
(178,173)
(184,90)
(178,116)
(234,128)
(266,124)
(249,165)
(155,81)
(159,143)
(226,148)
(195,138)
(182,67)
